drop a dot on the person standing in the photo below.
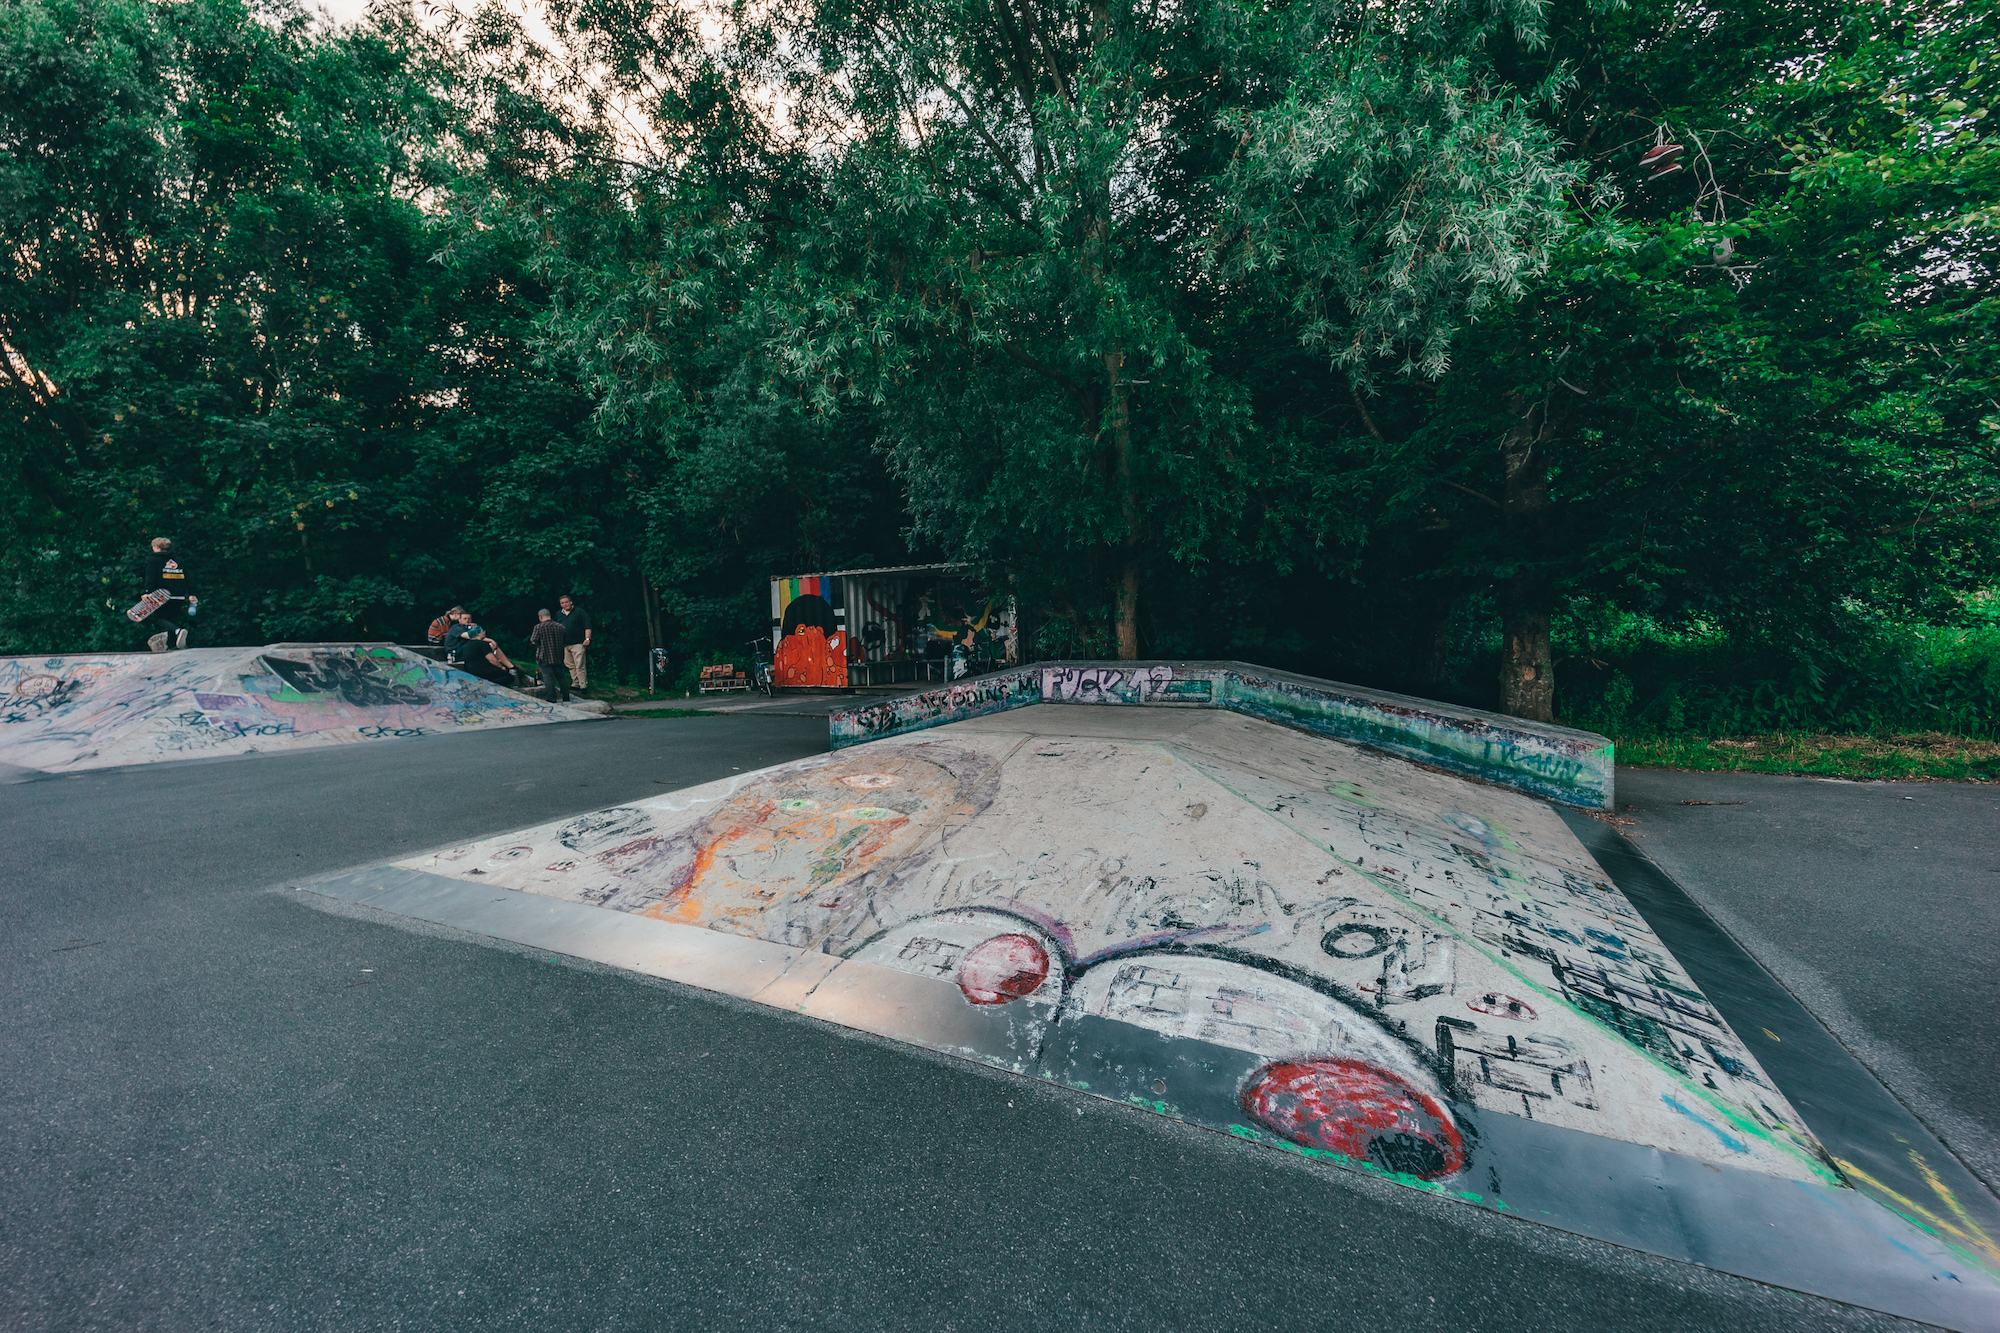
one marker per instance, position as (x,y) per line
(164,570)
(548,638)
(575,622)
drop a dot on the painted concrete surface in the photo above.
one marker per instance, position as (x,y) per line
(65,713)
(1229,922)
(1453,936)
(1561,764)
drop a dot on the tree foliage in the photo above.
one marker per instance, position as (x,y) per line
(1351,337)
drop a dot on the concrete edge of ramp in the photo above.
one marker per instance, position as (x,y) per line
(1540,759)
(1876,1141)
(1809,1237)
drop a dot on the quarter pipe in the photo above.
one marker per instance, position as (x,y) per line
(68,713)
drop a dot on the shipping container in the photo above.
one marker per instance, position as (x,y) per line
(905,623)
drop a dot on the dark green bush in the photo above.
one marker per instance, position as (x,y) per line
(1643,679)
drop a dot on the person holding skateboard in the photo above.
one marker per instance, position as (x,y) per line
(167,574)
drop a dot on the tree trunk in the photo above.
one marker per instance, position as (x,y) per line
(1436,599)
(1128,499)
(649,604)
(1128,609)
(1527,666)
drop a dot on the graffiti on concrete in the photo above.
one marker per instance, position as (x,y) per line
(32,696)
(1301,941)
(361,679)
(66,713)
(1570,766)
(1554,762)
(1104,684)
(930,708)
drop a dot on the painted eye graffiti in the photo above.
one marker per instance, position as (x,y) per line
(1500,1006)
(798,805)
(1355,941)
(1357,1110)
(1003,968)
(868,781)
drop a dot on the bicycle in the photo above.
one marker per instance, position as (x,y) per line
(762,669)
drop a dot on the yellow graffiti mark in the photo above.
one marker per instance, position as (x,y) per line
(1970,1232)
(1982,1241)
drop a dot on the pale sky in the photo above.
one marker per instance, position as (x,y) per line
(345,11)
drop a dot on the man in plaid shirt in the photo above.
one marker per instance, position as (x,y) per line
(548,637)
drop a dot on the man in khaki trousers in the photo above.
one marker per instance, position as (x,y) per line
(576,634)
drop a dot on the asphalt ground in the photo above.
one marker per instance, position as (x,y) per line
(225,1109)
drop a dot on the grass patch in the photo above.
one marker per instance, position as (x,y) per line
(1925,756)
(665,712)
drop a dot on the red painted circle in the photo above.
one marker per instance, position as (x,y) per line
(1357,1110)
(1003,968)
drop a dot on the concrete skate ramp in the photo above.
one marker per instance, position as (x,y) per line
(1539,758)
(1291,940)
(63,713)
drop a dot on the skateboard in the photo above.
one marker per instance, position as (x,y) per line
(150,603)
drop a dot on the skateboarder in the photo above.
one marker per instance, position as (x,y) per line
(547,637)
(575,622)
(165,572)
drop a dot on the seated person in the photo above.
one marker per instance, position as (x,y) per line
(454,635)
(441,628)
(468,647)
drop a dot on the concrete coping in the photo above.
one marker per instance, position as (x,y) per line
(1538,758)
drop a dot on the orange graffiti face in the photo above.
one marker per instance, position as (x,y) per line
(779,860)
(35,687)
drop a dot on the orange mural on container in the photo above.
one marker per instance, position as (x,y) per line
(812,658)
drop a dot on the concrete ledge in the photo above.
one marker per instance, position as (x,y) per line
(1556,763)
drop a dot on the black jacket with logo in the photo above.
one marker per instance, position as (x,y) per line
(166,570)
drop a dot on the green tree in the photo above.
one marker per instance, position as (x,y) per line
(1752,390)
(1038,220)
(229,321)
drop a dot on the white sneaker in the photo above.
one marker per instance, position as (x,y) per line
(158,643)
(181,639)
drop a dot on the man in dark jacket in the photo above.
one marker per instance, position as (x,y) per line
(165,570)
(547,636)
(575,622)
